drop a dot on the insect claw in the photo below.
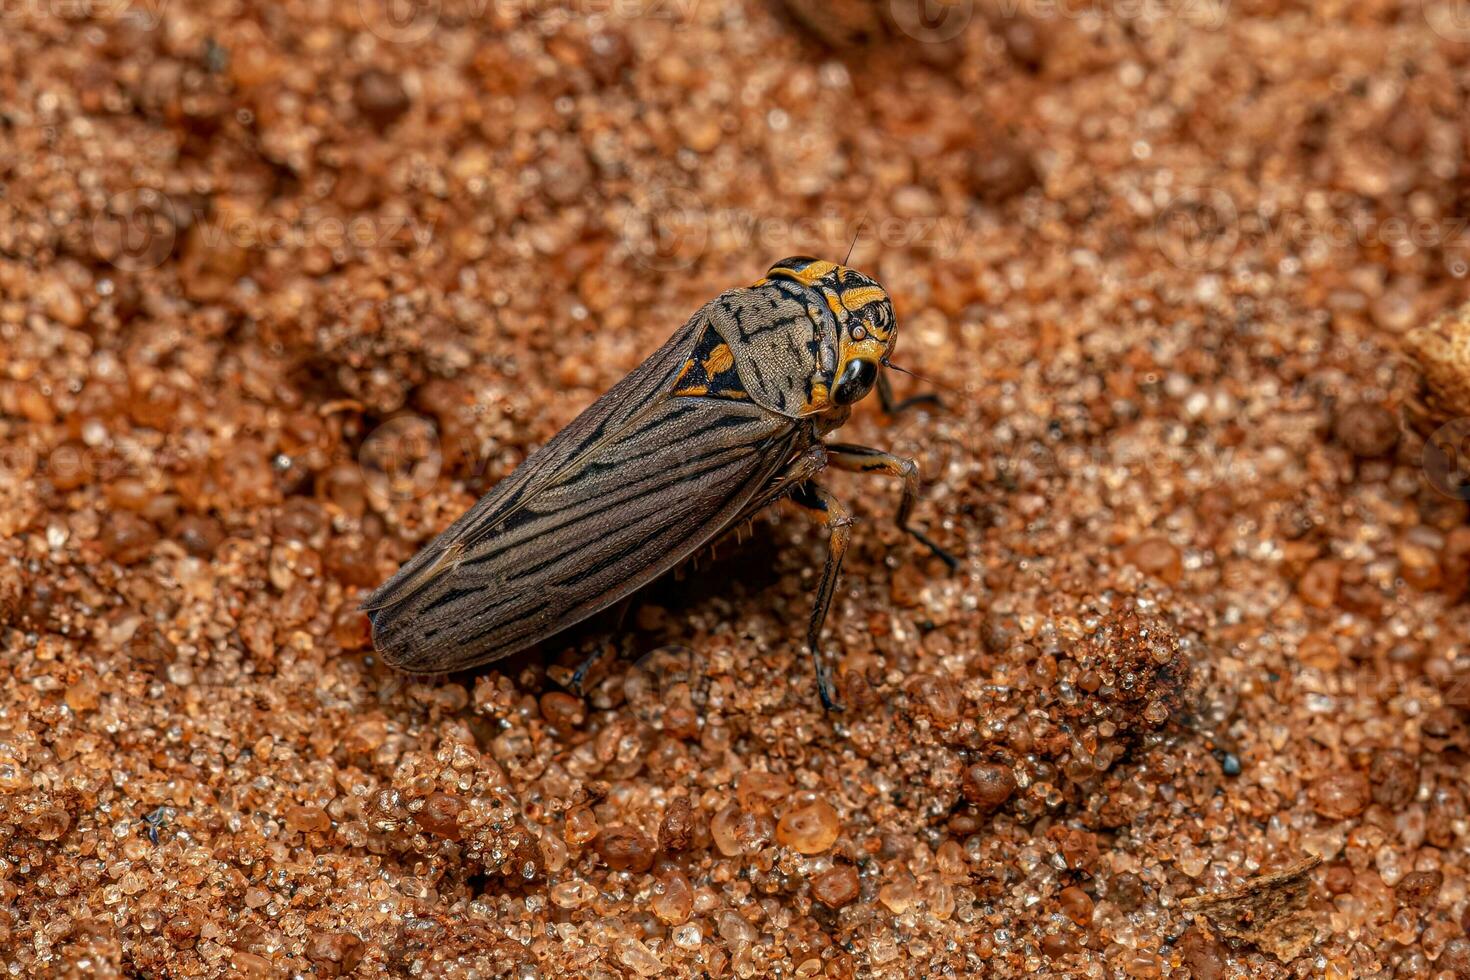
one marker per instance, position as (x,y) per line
(585,667)
(829,702)
(938,552)
(826,690)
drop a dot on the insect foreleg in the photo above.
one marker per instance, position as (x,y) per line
(831,512)
(861,459)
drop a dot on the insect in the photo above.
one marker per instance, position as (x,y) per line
(724,419)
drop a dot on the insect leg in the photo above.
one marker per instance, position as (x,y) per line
(831,512)
(861,459)
(892,407)
(619,613)
(798,471)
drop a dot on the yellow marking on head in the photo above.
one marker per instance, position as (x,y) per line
(856,299)
(834,304)
(688,366)
(871,349)
(693,390)
(720,359)
(819,401)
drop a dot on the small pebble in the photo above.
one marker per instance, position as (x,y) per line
(1076,905)
(334,953)
(1156,556)
(1338,879)
(380,97)
(562,710)
(638,957)
(1202,953)
(127,538)
(676,830)
(440,815)
(809,828)
(1454,562)
(1127,891)
(572,894)
(626,849)
(308,818)
(47,823)
(988,784)
(673,898)
(738,831)
(1366,430)
(1456,957)
(836,887)
(1001,169)
(200,536)
(1318,584)
(1340,795)
(1395,778)
(12,594)
(580,826)
(1417,889)
(1055,945)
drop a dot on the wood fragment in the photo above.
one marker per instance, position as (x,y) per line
(1269,911)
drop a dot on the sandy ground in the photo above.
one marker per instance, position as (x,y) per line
(284,287)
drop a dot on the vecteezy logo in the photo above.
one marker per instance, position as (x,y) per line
(136,231)
(932,21)
(1450,19)
(671,234)
(1447,459)
(1199,229)
(399,21)
(401,459)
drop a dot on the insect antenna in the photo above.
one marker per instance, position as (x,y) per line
(922,377)
(855,236)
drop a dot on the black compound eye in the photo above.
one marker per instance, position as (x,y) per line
(856,381)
